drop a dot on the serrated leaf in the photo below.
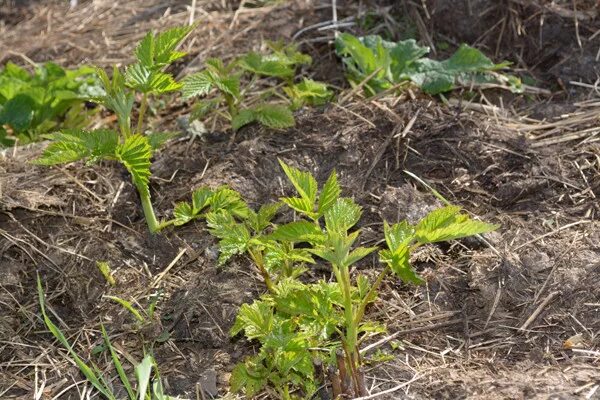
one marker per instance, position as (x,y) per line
(274,116)
(261,220)
(298,231)
(167,42)
(399,263)
(73,145)
(303,206)
(342,216)
(250,382)
(244,117)
(448,223)
(201,199)
(147,80)
(255,320)
(259,65)
(145,50)
(198,84)
(329,194)
(308,92)
(135,155)
(229,200)
(358,254)
(183,213)
(228,84)
(304,182)
(398,235)
(234,236)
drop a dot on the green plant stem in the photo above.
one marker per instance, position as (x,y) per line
(143,108)
(257,257)
(153,224)
(231,106)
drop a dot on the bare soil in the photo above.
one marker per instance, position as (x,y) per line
(516,316)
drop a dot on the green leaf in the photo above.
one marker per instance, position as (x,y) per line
(117,363)
(145,50)
(147,80)
(342,216)
(201,199)
(228,84)
(358,254)
(183,213)
(304,182)
(303,206)
(198,84)
(158,50)
(229,200)
(298,231)
(392,63)
(256,320)
(308,92)
(244,117)
(448,223)
(250,381)
(274,116)
(399,263)
(167,42)
(135,155)
(329,194)
(73,145)
(18,113)
(234,236)
(143,373)
(93,376)
(261,220)
(259,65)
(398,235)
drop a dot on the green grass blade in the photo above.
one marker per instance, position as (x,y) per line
(88,372)
(118,365)
(128,306)
(143,371)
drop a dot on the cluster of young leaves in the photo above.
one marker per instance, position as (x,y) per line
(130,146)
(295,317)
(388,63)
(50,98)
(281,64)
(147,385)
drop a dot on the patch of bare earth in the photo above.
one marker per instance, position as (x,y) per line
(513,316)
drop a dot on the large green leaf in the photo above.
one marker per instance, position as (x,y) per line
(391,63)
(73,145)
(18,113)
